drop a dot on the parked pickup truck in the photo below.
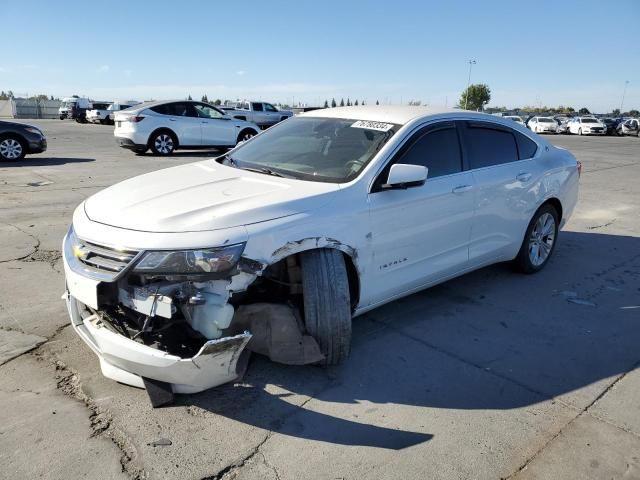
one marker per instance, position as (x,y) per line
(99,113)
(262,114)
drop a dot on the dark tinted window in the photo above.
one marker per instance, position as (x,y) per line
(486,146)
(257,107)
(526,147)
(178,109)
(438,150)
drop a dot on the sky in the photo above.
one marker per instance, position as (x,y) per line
(537,53)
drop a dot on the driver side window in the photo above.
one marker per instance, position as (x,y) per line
(204,111)
(438,149)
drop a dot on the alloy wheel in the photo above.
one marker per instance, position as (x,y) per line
(541,240)
(164,144)
(10,149)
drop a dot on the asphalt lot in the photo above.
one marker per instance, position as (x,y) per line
(492,375)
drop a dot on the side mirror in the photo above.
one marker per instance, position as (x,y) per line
(402,175)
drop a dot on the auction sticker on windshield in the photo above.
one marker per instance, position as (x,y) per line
(382,127)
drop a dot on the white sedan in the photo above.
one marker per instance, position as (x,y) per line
(285,238)
(516,119)
(167,126)
(586,126)
(543,125)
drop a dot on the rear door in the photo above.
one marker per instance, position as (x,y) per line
(259,115)
(506,176)
(421,234)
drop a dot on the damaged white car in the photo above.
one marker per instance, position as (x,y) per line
(174,276)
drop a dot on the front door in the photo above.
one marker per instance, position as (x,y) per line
(421,234)
(217,129)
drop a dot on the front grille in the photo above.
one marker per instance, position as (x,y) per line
(104,259)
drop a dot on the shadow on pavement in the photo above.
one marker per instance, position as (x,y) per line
(493,339)
(44,161)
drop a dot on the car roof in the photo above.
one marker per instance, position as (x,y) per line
(398,114)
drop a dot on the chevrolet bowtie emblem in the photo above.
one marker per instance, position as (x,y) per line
(78,251)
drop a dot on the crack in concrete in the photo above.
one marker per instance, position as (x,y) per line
(35,249)
(582,412)
(68,381)
(230,470)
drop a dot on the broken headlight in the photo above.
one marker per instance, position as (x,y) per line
(190,262)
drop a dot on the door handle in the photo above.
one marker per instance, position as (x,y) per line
(172,119)
(205,122)
(523,177)
(462,188)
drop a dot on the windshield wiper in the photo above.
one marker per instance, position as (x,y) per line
(230,161)
(264,170)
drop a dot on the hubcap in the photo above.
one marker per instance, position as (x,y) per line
(164,144)
(10,148)
(541,239)
(247,136)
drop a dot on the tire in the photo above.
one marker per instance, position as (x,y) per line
(539,233)
(140,151)
(12,149)
(246,135)
(327,304)
(163,143)
(580,131)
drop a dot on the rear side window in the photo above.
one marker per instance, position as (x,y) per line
(161,109)
(526,147)
(438,150)
(257,107)
(487,145)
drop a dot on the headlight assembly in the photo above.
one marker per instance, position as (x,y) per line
(190,262)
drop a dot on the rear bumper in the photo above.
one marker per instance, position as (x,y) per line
(129,144)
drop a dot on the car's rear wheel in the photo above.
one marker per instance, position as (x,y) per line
(163,143)
(327,303)
(246,135)
(11,149)
(539,240)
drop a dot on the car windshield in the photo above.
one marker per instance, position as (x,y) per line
(515,119)
(589,120)
(546,120)
(319,149)
(68,104)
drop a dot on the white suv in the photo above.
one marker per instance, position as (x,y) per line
(165,126)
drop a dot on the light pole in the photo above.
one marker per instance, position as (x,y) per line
(466,98)
(624,92)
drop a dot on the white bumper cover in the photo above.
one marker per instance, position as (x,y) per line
(127,361)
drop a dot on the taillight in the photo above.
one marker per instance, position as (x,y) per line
(579,167)
(136,119)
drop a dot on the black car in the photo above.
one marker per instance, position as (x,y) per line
(612,125)
(18,139)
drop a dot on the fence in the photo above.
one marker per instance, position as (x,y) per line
(28,108)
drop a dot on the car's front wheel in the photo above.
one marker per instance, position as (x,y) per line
(11,149)
(163,143)
(327,302)
(539,240)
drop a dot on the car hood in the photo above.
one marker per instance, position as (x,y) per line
(203,196)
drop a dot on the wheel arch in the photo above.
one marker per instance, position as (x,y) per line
(163,129)
(293,249)
(555,203)
(15,135)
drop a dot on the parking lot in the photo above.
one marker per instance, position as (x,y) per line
(492,375)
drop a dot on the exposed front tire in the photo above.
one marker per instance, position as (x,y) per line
(163,143)
(539,240)
(580,131)
(11,149)
(327,304)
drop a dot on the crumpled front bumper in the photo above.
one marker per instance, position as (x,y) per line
(127,361)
